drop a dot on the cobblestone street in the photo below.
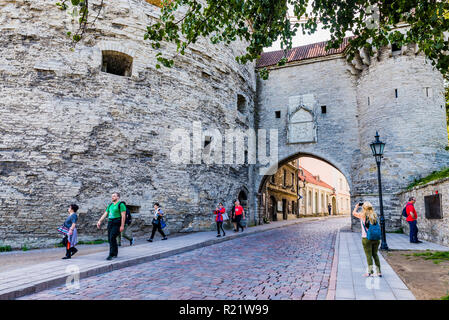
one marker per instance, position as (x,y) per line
(289,263)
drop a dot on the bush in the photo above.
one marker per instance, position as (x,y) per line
(5,248)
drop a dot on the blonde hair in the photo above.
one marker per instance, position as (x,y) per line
(369,213)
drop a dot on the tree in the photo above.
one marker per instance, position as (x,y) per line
(260,23)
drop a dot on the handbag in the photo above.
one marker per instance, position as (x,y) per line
(163,224)
(63,230)
(225,216)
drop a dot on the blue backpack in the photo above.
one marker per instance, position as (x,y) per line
(373,232)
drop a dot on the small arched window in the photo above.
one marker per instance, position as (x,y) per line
(241,103)
(117,63)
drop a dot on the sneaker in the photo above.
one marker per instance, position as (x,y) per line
(67,257)
(131,242)
(164,238)
(224,234)
(218,235)
(418,241)
(109,258)
(150,240)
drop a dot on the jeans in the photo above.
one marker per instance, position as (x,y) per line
(371,247)
(220,226)
(158,228)
(113,232)
(413,231)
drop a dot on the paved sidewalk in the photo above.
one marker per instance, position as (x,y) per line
(349,280)
(32,279)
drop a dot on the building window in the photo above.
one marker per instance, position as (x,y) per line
(396,92)
(272,179)
(293,179)
(241,103)
(277,114)
(117,63)
(369,102)
(323,109)
(285,177)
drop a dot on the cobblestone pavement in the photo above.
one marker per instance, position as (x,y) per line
(288,263)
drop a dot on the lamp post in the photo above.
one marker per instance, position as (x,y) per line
(377,147)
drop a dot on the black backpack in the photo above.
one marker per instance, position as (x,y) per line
(128,217)
(404,212)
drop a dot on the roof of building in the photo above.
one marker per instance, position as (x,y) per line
(310,178)
(309,51)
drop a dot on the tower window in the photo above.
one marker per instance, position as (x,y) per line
(396,92)
(207,140)
(117,63)
(396,47)
(277,114)
(323,109)
(369,101)
(241,103)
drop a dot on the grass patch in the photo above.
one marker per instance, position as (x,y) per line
(25,247)
(400,230)
(436,175)
(437,256)
(445,297)
(5,248)
(98,241)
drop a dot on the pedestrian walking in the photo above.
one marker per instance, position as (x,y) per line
(219,213)
(127,233)
(412,217)
(329,208)
(158,223)
(116,214)
(368,219)
(71,234)
(239,215)
(234,222)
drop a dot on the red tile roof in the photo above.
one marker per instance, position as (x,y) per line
(310,178)
(309,51)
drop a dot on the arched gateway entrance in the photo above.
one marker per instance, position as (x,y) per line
(284,195)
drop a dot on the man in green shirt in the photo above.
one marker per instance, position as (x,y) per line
(116,213)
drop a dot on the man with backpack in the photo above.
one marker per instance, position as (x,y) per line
(127,233)
(116,213)
(412,216)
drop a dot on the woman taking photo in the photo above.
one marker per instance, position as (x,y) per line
(368,218)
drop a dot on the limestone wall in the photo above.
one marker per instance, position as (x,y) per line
(435,230)
(72,133)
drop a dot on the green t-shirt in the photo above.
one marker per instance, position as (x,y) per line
(113,210)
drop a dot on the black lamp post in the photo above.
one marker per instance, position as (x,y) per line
(377,147)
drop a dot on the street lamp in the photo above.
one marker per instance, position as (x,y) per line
(377,147)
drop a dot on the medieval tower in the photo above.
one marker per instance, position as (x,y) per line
(77,125)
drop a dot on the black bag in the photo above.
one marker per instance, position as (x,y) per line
(404,212)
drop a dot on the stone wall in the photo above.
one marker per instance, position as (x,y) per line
(435,230)
(72,133)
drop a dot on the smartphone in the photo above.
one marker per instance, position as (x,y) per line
(361,204)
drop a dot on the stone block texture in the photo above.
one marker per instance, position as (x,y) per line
(72,133)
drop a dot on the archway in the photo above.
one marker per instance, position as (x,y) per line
(309,195)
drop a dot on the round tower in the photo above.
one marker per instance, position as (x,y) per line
(80,124)
(401,96)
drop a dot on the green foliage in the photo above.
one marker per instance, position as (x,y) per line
(261,22)
(97,241)
(400,230)
(25,247)
(5,248)
(445,297)
(436,175)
